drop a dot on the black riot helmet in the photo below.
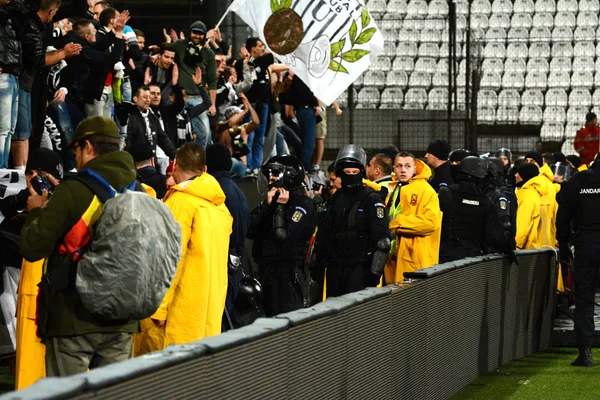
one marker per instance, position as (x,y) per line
(282,172)
(474,167)
(504,152)
(249,300)
(458,155)
(495,167)
(351,156)
(562,171)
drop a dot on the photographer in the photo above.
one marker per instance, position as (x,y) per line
(43,172)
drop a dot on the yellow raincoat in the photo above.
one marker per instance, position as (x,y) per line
(418,227)
(31,353)
(193,306)
(530,213)
(549,208)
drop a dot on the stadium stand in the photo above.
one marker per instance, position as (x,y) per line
(539,60)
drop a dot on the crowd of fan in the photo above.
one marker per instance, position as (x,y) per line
(190,88)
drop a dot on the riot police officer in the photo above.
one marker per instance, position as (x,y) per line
(354,238)
(470,225)
(505,155)
(503,197)
(578,207)
(281,227)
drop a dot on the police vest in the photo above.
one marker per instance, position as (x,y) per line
(587,217)
(462,223)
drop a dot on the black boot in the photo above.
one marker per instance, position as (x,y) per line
(585,358)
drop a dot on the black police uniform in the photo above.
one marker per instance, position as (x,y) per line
(442,177)
(354,222)
(504,201)
(579,203)
(470,225)
(281,234)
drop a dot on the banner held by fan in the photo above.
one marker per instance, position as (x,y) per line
(327,43)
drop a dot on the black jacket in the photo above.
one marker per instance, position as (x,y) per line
(238,206)
(442,177)
(10,37)
(168,113)
(33,50)
(90,67)
(150,176)
(136,133)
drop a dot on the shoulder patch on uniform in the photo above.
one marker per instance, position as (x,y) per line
(298,215)
(379,205)
(301,209)
(503,203)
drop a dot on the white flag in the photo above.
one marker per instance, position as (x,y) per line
(340,40)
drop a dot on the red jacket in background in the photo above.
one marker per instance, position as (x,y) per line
(586,143)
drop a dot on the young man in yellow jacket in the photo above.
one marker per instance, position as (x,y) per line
(415,216)
(549,206)
(530,190)
(193,307)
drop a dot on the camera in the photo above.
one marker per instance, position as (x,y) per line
(40,183)
(316,186)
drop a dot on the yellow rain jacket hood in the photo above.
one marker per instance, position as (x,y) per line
(417,227)
(193,306)
(529,213)
(549,208)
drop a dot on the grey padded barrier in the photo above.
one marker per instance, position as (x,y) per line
(422,339)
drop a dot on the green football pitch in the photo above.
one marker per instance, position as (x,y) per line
(545,375)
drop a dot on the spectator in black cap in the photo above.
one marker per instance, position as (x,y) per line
(534,157)
(576,164)
(146,169)
(218,164)
(437,159)
(559,157)
(43,162)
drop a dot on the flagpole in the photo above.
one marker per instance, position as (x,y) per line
(226,12)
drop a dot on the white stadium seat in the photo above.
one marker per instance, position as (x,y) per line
(438,8)
(397,6)
(589,5)
(538,65)
(559,79)
(397,79)
(551,131)
(507,115)
(480,21)
(584,49)
(596,99)
(419,79)
(587,19)
(563,34)
(582,80)
(415,99)
(524,6)
(576,114)
(580,97)
(429,50)
(562,64)
(444,49)
(555,115)
(430,36)
(565,19)
(567,5)
(544,20)
(403,64)
(438,98)
(462,7)
(540,34)
(548,6)
(518,50)
(493,65)
(382,63)
(496,50)
(509,98)
(556,98)
(486,115)
(584,64)
(442,66)
(502,6)
(518,35)
(584,33)
(530,115)
(406,49)
(521,20)
(409,35)
(389,48)
(481,7)
(536,80)
(368,98)
(513,80)
(416,24)
(377,7)
(539,50)
(562,49)
(515,65)
(426,64)
(416,9)
(374,78)
(440,79)
(532,97)
(461,22)
(496,35)
(491,80)
(500,20)
(392,96)
(487,97)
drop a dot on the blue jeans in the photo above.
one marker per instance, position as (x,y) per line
(9,100)
(256,138)
(280,144)
(308,128)
(237,168)
(200,124)
(126,89)
(24,124)
(66,116)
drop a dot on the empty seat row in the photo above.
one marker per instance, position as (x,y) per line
(527,21)
(555,79)
(533,97)
(531,115)
(542,50)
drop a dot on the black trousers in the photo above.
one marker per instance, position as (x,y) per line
(346,279)
(282,287)
(585,278)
